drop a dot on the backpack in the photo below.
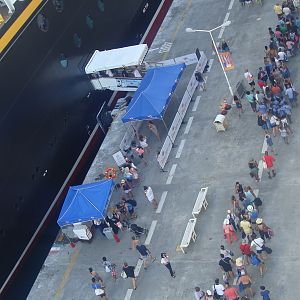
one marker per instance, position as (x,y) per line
(132,202)
(257,202)
(255,261)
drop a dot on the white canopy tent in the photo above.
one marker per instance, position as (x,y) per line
(116,58)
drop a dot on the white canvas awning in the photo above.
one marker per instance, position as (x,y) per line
(116,58)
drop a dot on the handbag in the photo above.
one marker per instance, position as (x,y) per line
(267,249)
(99,292)
(123,274)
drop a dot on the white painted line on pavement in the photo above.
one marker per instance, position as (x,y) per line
(230,4)
(210,64)
(128,294)
(226,17)
(188,125)
(180,148)
(196,104)
(265,146)
(138,267)
(260,169)
(221,33)
(161,202)
(171,174)
(150,233)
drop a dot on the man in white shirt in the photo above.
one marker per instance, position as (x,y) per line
(150,196)
(218,288)
(258,244)
(286,10)
(282,56)
(250,79)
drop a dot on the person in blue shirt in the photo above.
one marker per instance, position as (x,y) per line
(264,293)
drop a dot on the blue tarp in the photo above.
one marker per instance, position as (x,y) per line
(85,202)
(151,98)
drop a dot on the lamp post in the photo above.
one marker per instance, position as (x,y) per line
(215,46)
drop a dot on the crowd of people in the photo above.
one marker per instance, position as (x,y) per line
(272,101)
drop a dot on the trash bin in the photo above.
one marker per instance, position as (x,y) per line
(220,123)
(108,233)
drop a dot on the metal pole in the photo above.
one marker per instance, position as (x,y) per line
(215,46)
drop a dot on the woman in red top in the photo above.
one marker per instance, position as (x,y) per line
(246,251)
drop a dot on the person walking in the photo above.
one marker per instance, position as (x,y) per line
(226,252)
(218,290)
(150,196)
(278,10)
(257,244)
(284,134)
(97,277)
(129,272)
(270,144)
(253,166)
(143,142)
(235,205)
(269,159)
(109,267)
(250,79)
(246,283)
(199,294)
(233,220)
(255,261)
(145,255)
(98,289)
(246,251)
(265,231)
(264,293)
(238,104)
(225,265)
(165,261)
(250,98)
(247,229)
(231,293)
(154,130)
(229,233)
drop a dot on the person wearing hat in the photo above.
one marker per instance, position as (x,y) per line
(252,213)
(263,229)
(239,262)
(229,233)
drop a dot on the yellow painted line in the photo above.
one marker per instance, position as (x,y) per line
(18,23)
(174,36)
(67,273)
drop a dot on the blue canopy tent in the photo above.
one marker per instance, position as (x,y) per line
(85,202)
(153,95)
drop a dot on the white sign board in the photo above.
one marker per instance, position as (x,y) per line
(164,152)
(119,158)
(185,102)
(193,83)
(175,127)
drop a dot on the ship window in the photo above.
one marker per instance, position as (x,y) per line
(77,40)
(43,22)
(89,22)
(101,5)
(59,5)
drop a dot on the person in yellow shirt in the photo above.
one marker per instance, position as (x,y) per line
(247,229)
(278,10)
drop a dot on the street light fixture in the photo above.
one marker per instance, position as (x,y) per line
(227,23)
